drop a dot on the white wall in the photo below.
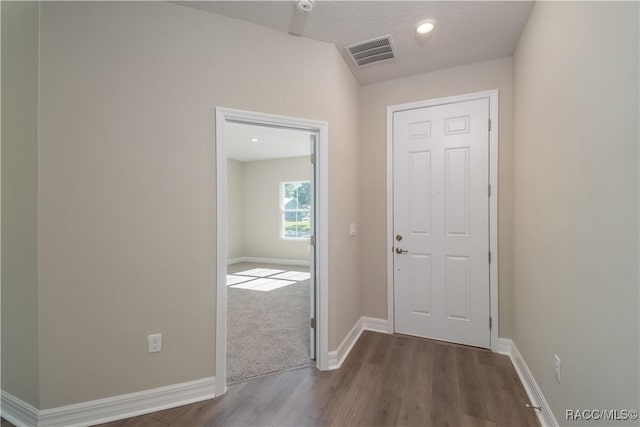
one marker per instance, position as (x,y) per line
(576,210)
(20,200)
(262,225)
(373,198)
(235,209)
(127,183)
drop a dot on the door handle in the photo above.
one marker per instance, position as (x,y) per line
(401,251)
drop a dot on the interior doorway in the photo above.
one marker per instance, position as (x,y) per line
(271,291)
(270,225)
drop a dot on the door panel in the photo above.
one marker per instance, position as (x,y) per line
(420,284)
(441,210)
(420,192)
(456,190)
(457,285)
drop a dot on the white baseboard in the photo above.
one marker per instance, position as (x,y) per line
(18,412)
(336,358)
(374,324)
(545,415)
(281,261)
(108,409)
(504,346)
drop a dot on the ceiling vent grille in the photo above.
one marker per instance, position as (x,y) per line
(370,51)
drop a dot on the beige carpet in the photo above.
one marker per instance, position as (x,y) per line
(267,319)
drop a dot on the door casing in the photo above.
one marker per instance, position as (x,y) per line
(492,95)
(321,230)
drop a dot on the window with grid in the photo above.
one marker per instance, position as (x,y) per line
(295,209)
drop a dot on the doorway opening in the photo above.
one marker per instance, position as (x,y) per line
(271,241)
(270,298)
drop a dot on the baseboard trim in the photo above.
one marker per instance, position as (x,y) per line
(111,408)
(281,261)
(545,415)
(17,411)
(336,358)
(504,346)
(374,324)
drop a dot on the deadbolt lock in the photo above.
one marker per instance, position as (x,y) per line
(398,237)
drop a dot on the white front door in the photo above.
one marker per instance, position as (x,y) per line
(441,222)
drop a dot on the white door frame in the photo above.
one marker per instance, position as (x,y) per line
(492,95)
(321,222)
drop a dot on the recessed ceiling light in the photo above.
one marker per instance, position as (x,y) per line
(254,139)
(425,27)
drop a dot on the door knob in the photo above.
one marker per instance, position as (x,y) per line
(401,251)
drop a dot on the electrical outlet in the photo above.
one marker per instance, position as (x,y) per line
(556,364)
(155,343)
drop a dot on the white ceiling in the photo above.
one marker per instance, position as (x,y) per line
(273,143)
(466,31)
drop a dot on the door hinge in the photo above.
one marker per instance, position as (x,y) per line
(490,323)
(313,323)
(312,240)
(312,158)
(489,257)
(489,125)
(489,190)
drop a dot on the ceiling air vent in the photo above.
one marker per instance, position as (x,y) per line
(370,51)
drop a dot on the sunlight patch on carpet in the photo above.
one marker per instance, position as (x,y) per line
(259,272)
(298,276)
(264,285)
(234,280)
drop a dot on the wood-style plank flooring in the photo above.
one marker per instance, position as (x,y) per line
(387,380)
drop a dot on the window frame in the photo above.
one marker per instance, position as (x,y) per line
(284,211)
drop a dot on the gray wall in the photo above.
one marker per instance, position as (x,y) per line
(120,170)
(262,208)
(20,200)
(254,210)
(127,183)
(576,202)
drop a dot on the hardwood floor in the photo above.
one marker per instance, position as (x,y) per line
(387,380)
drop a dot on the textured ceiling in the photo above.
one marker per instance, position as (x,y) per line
(466,32)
